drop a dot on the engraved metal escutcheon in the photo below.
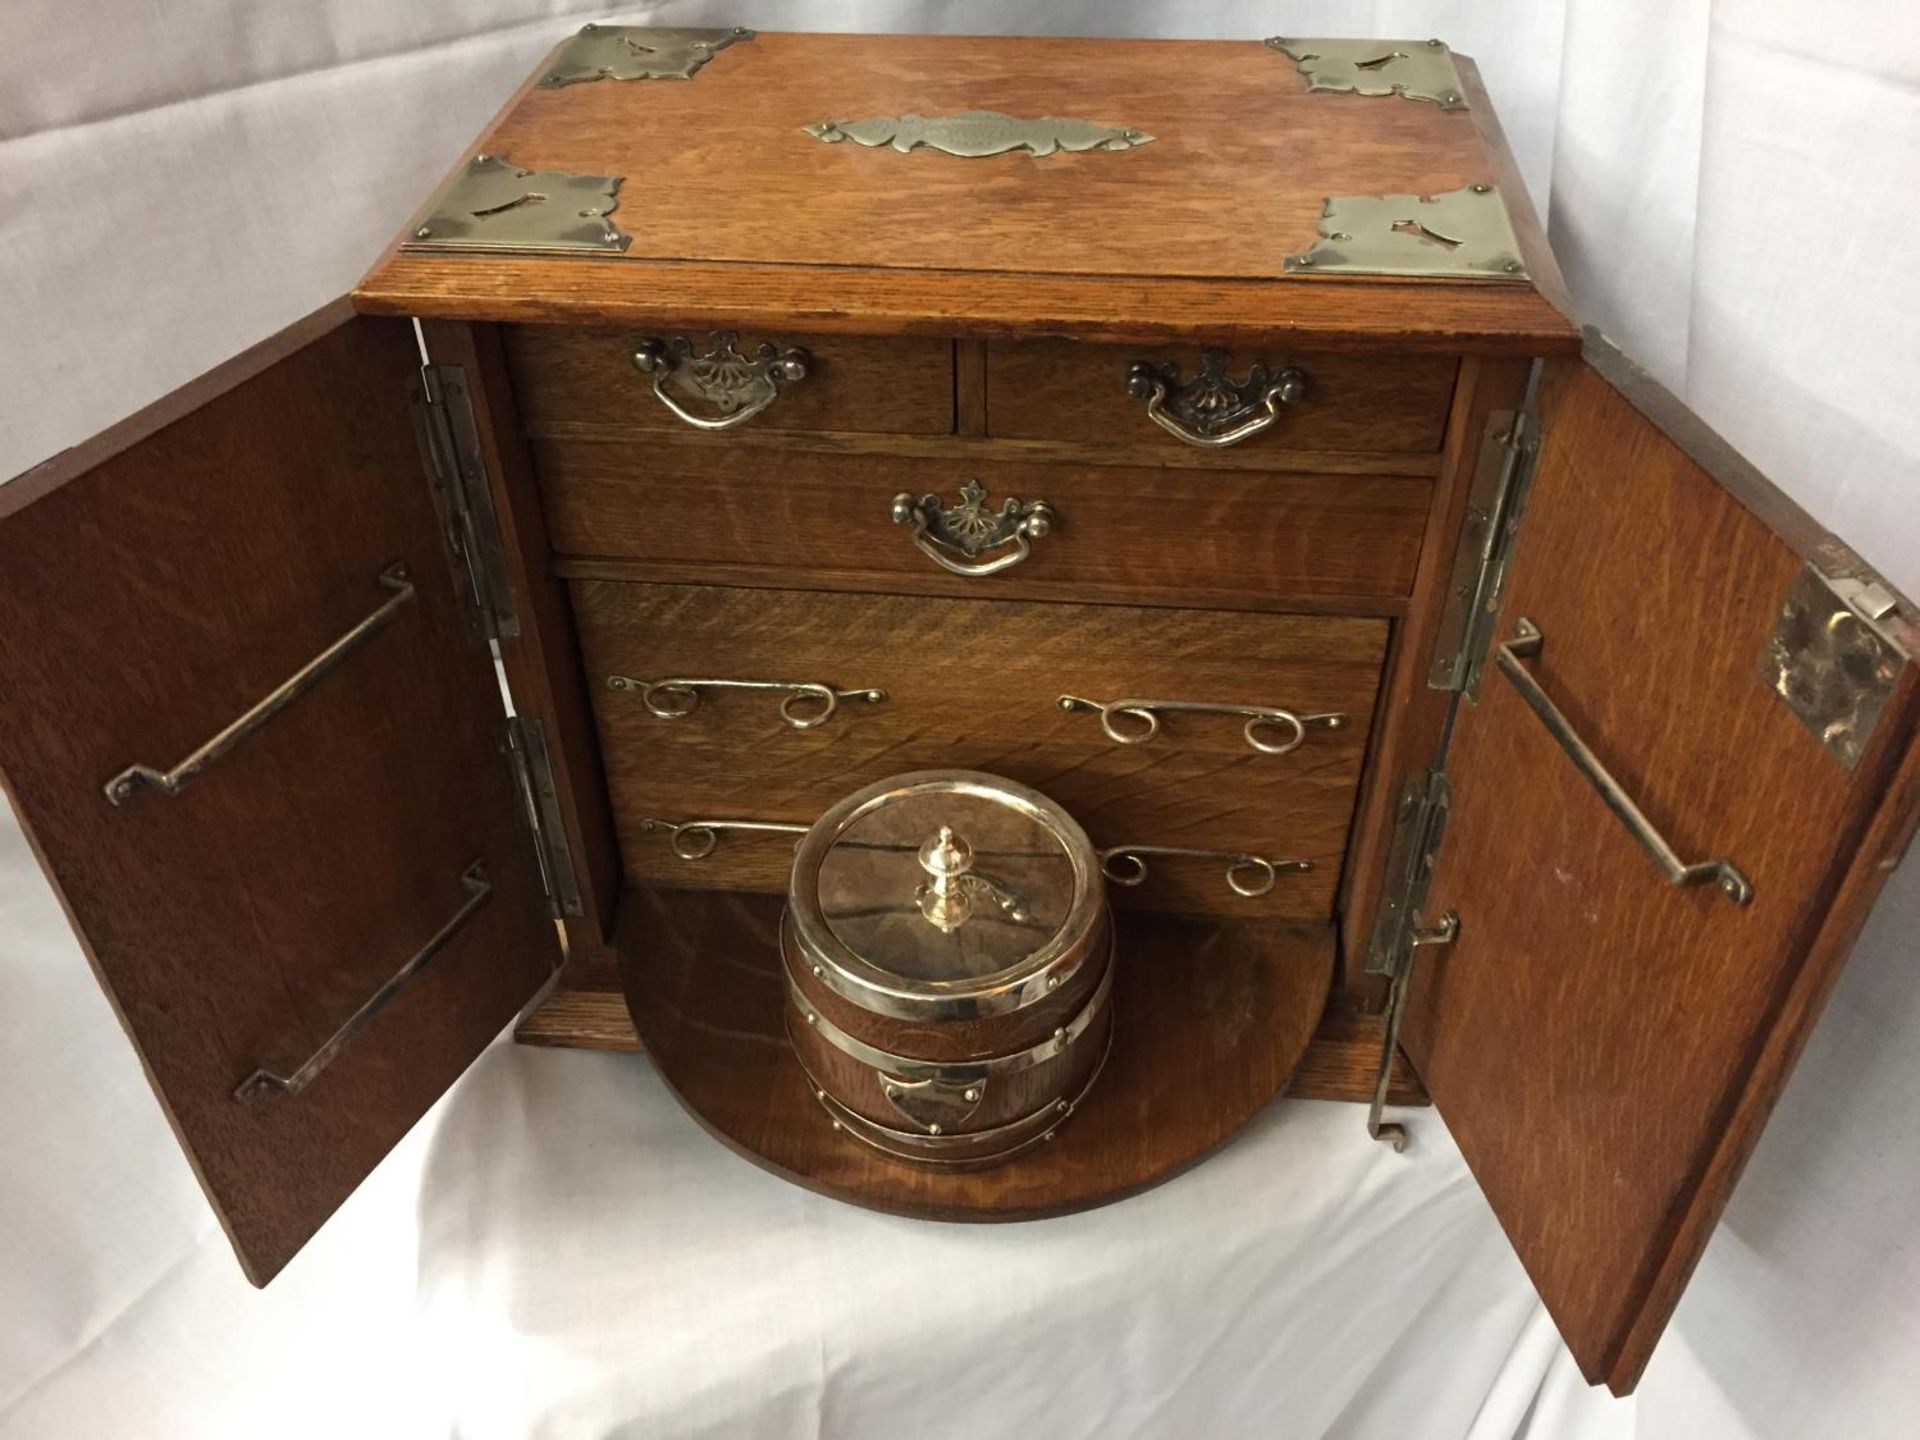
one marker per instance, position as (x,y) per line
(738,386)
(1415,69)
(1462,234)
(976,134)
(495,205)
(1829,664)
(636,52)
(1213,410)
(972,527)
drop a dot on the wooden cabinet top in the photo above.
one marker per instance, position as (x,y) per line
(835,182)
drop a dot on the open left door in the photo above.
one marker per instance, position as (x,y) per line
(1689,767)
(260,758)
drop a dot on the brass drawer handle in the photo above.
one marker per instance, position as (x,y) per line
(122,787)
(1249,876)
(737,386)
(1213,410)
(806,706)
(696,839)
(1525,645)
(479,890)
(971,528)
(1145,714)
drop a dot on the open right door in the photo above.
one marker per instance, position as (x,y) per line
(1688,768)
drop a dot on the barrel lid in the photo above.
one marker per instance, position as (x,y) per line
(951,888)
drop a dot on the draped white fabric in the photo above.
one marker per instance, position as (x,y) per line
(557,1251)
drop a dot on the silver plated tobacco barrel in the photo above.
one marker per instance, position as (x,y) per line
(948,956)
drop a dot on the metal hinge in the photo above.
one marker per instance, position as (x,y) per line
(1418,827)
(1495,501)
(1399,931)
(533,772)
(450,442)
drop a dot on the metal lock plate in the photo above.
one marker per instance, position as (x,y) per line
(636,52)
(1462,234)
(1830,663)
(1416,69)
(974,134)
(495,206)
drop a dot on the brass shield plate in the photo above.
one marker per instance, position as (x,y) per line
(636,52)
(494,205)
(1415,69)
(974,134)
(1463,234)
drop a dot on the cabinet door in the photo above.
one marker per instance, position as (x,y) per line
(1608,1032)
(259,755)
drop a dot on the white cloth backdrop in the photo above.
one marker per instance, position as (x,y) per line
(557,1251)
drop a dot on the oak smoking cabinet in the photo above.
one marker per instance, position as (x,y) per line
(1191,432)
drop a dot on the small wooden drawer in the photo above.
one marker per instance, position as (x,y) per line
(1207,538)
(1062,390)
(567,375)
(978,685)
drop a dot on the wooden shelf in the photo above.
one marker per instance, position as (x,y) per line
(1211,1020)
(585,1009)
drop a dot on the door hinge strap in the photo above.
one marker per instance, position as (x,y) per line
(456,464)
(1418,937)
(1398,932)
(540,799)
(1495,501)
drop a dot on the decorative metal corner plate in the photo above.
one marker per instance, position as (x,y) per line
(494,206)
(1462,235)
(1415,69)
(1829,662)
(636,52)
(974,134)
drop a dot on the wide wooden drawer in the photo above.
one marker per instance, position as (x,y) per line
(580,375)
(1064,390)
(1224,538)
(978,685)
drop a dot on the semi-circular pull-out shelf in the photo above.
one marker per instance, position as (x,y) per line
(1210,1020)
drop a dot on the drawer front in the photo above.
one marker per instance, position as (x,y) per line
(977,685)
(1062,390)
(578,375)
(1225,538)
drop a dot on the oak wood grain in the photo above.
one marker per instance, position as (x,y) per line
(584,374)
(976,685)
(158,584)
(1210,1020)
(975,449)
(1169,537)
(1064,391)
(1603,1046)
(769,224)
(584,1009)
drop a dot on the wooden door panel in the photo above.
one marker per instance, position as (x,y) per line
(158,583)
(1604,1045)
